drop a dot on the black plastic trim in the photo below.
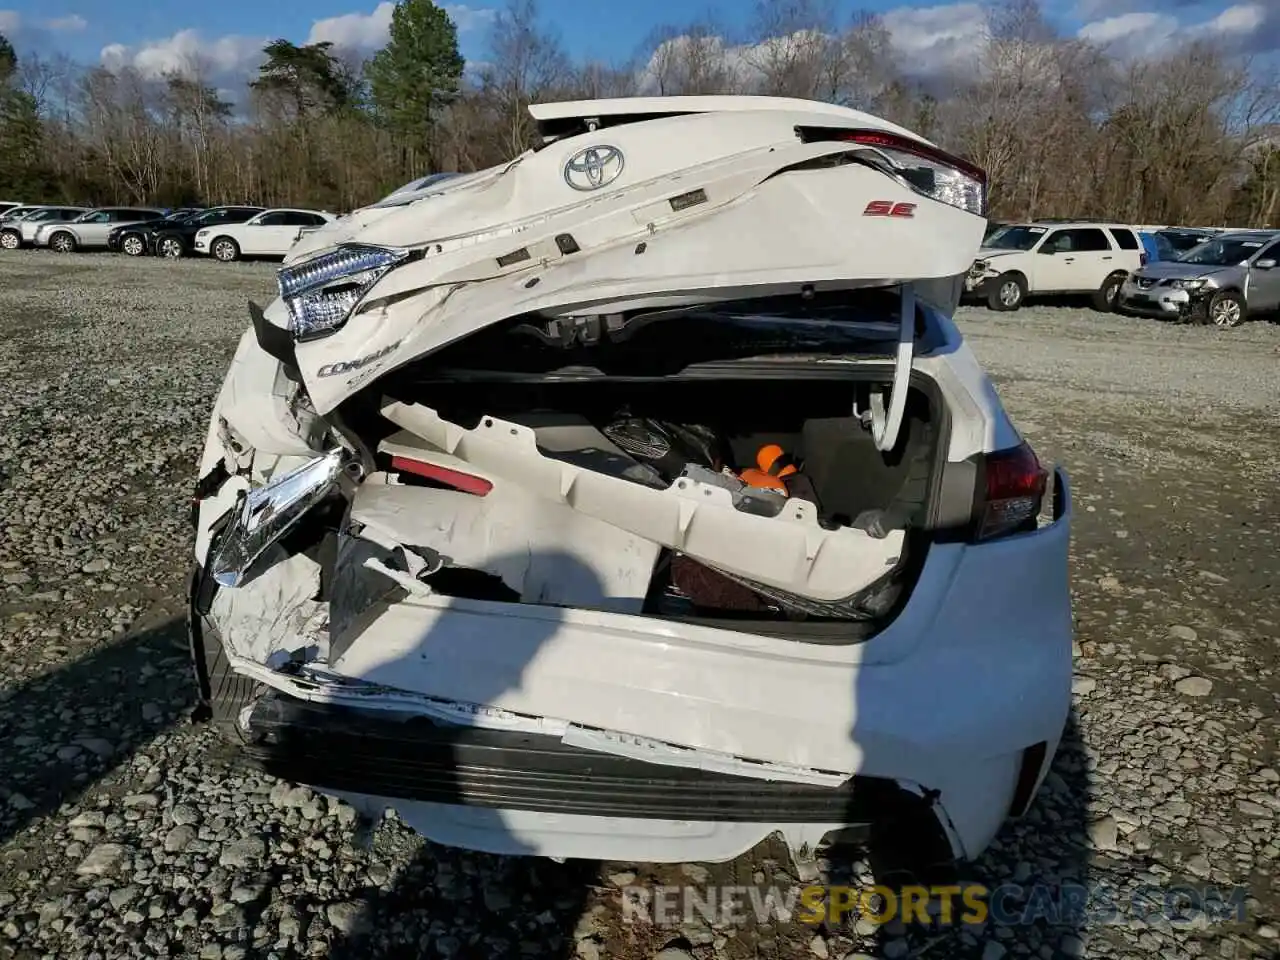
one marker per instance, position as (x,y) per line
(346,750)
(274,341)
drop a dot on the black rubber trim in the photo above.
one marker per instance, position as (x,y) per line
(275,341)
(1024,790)
(339,749)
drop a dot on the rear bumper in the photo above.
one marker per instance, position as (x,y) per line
(1164,303)
(939,727)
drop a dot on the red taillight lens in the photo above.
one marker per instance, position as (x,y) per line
(465,482)
(1014,485)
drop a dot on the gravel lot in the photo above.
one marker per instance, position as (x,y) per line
(125,832)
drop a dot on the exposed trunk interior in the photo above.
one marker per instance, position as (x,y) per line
(717,423)
(652,431)
(767,399)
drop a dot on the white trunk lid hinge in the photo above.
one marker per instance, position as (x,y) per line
(886,418)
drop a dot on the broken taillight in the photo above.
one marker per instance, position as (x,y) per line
(929,170)
(466,482)
(1011,492)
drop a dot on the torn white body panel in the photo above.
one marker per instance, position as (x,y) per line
(547,552)
(790,551)
(275,614)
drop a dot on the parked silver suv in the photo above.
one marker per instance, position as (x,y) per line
(1220,281)
(89,231)
(21,233)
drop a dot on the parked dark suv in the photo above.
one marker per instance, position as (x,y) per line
(132,237)
(175,239)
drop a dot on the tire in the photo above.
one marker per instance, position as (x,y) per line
(170,248)
(62,242)
(1007,292)
(1104,301)
(133,245)
(10,240)
(224,249)
(1226,308)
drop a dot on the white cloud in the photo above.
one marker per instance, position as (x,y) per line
(932,41)
(223,57)
(937,38)
(1242,19)
(1134,34)
(73,23)
(233,57)
(369,31)
(361,31)
(28,33)
(1148,34)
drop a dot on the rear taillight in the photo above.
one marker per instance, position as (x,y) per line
(1012,491)
(933,172)
(466,482)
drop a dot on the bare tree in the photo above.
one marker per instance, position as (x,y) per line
(793,47)
(690,60)
(527,64)
(122,124)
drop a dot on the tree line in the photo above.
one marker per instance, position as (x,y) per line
(1064,128)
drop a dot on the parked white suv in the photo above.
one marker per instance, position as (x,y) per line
(270,234)
(1051,259)
(622,502)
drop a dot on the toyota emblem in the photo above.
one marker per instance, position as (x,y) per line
(593,168)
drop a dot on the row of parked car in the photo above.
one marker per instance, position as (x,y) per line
(225,233)
(1174,273)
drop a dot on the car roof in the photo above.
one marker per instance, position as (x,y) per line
(1072,224)
(291,210)
(1248,235)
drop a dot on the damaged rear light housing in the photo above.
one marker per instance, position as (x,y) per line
(1011,494)
(322,292)
(926,169)
(456,479)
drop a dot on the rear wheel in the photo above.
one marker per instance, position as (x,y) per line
(10,240)
(170,248)
(1104,300)
(62,242)
(132,245)
(1226,309)
(1007,292)
(225,249)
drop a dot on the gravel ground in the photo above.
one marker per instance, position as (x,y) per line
(125,831)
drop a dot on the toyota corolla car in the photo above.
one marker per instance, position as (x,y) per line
(1221,281)
(639,499)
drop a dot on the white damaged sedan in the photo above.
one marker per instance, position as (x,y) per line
(638,499)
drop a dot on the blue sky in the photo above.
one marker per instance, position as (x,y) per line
(155,34)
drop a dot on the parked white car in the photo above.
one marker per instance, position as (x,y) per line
(89,231)
(269,234)
(1051,259)
(21,232)
(490,526)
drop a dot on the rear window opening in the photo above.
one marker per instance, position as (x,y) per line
(657,342)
